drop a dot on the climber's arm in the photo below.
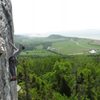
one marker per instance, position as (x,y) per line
(13,45)
(17,51)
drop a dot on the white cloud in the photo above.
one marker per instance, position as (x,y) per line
(43,16)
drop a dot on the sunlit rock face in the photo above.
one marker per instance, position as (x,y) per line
(8,89)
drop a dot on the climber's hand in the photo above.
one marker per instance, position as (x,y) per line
(21,47)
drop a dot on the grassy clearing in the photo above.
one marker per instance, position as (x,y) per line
(74,47)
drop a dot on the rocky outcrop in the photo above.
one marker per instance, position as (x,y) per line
(8,89)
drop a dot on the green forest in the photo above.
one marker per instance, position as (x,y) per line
(58,68)
(55,77)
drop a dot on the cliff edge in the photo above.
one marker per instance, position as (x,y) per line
(8,89)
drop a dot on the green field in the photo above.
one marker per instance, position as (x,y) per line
(59,44)
(81,46)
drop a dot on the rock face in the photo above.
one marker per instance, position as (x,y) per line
(8,89)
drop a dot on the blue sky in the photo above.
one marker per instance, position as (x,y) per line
(42,17)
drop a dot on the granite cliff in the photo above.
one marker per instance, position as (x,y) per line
(8,90)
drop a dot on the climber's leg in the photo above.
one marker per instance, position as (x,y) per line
(13,73)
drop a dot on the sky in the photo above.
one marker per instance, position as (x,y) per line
(43,17)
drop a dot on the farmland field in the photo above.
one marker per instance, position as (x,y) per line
(59,44)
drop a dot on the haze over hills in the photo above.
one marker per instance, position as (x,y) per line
(92,34)
(59,43)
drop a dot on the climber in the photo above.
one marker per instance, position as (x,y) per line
(2,43)
(13,61)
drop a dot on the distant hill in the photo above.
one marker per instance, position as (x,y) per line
(63,45)
(54,36)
